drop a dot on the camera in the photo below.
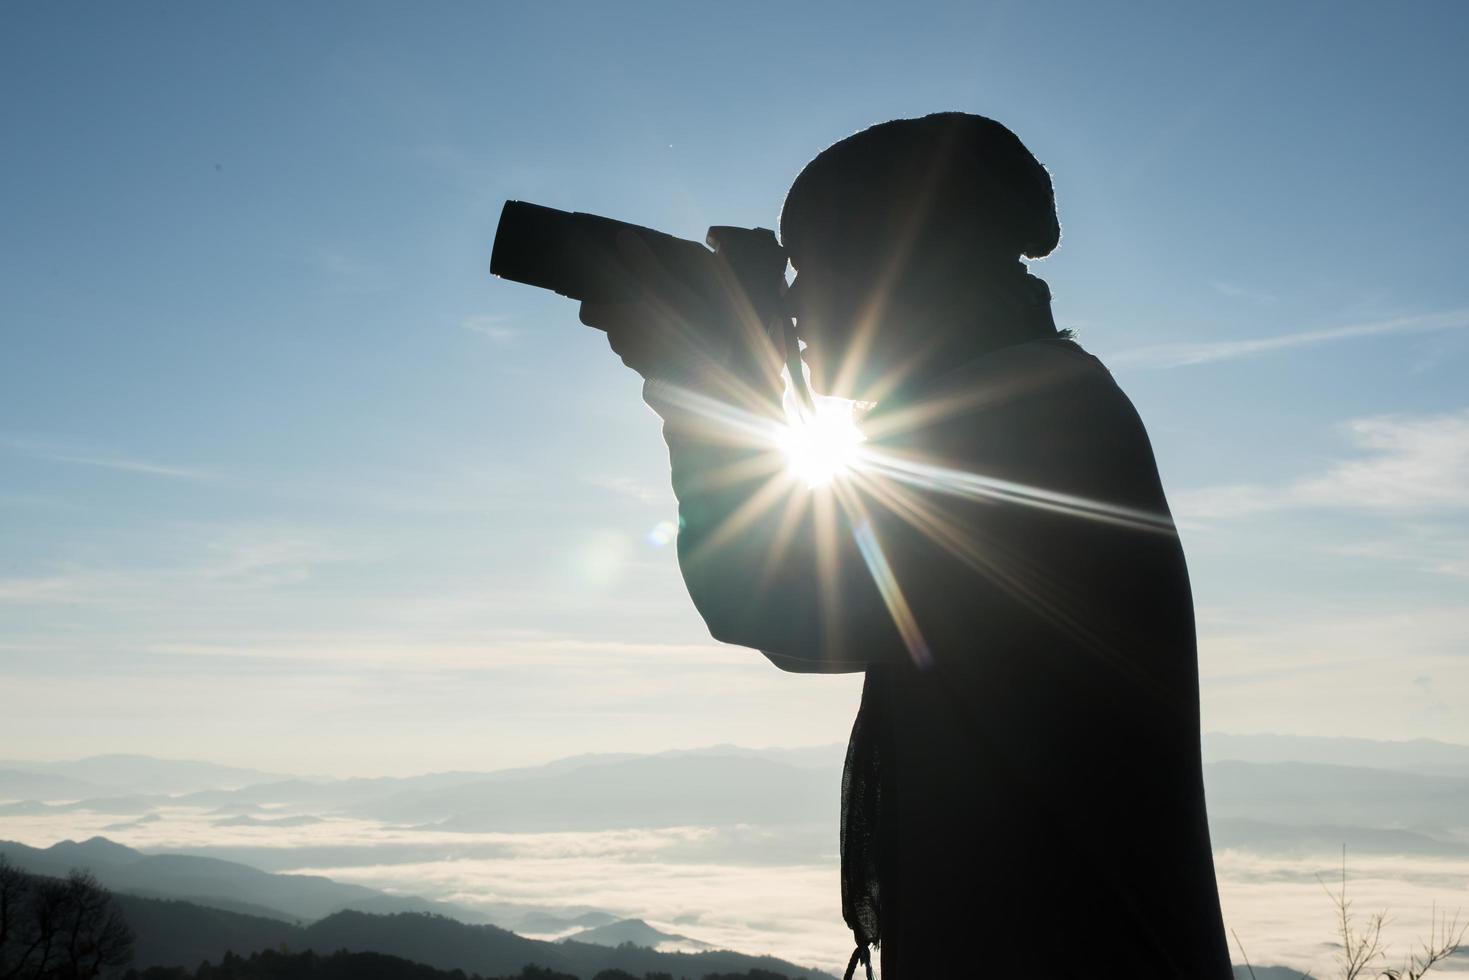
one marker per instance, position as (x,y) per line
(593,259)
(584,256)
(732,289)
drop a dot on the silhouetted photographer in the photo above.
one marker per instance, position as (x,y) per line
(991,545)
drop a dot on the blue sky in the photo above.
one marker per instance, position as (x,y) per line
(287,479)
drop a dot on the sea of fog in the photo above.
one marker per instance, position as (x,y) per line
(745,888)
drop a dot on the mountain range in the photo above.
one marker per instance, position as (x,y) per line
(1268,792)
(1284,795)
(1420,755)
(189,909)
(203,880)
(100,774)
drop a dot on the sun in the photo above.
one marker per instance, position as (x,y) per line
(821,444)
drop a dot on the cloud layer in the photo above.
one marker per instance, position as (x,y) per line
(1158,356)
(1407,465)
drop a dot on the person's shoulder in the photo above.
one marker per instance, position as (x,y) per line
(1043,400)
(1057,358)
(1039,375)
(1092,400)
(1060,357)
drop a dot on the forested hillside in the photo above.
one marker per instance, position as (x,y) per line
(275,965)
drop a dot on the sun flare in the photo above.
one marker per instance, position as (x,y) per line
(822,444)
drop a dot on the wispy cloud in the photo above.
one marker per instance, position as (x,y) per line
(628,486)
(1278,908)
(342,271)
(491,326)
(219,562)
(732,901)
(1425,548)
(135,466)
(489,652)
(1235,291)
(1303,666)
(253,555)
(32,589)
(111,461)
(1408,465)
(1159,356)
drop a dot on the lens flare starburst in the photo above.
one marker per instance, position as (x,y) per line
(787,495)
(822,443)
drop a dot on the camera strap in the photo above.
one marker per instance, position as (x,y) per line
(792,349)
(862,954)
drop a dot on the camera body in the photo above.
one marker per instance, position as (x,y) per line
(729,296)
(741,274)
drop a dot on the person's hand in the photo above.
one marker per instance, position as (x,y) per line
(651,338)
(669,332)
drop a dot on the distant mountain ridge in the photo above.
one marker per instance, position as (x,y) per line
(1315,793)
(203,880)
(176,933)
(175,929)
(1267,792)
(26,784)
(639,933)
(659,791)
(596,793)
(447,944)
(144,775)
(135,774)
(1425,756)
(1274,794)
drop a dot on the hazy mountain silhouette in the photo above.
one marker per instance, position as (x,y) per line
(231,810)
(171,932)
(1420,755)
(215,903)
(384,904)
(299,966)
(235,887)
(22,784)
(174,933)
(326,793)
(542,922)
(137,774)
(1409,802)
(245,820)
(207,881)
(803,757)
(231,791)
(332,793)
(1273,794)
(656,791)
(134,780)
(342,965)
(1302,793)
(637,932)
(723,784)
(447,944)
(732,790)
(226,885)
(134,824)
(1315,839)
(119,805)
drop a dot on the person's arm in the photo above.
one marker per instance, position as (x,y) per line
(796,665)
(769,563)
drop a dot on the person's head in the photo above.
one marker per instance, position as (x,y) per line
(897,231)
